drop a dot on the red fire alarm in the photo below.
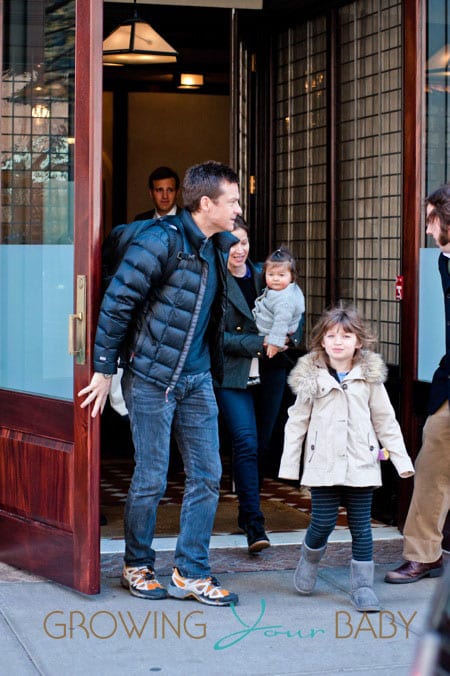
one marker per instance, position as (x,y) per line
(399,287)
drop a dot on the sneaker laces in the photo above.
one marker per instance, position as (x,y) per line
(209,586)
(147,573)
(214,581)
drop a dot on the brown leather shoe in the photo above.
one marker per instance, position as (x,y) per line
(411,571)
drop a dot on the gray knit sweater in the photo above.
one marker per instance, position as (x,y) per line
(278,313)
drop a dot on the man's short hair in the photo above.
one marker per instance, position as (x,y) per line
(205,180)
(161,173)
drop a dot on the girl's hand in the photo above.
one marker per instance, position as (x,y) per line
(97,391)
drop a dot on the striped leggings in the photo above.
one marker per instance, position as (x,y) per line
(325,502)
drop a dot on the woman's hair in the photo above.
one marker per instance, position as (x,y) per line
(343,315)
(281,256)
(240,223)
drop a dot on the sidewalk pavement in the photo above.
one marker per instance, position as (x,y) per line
(50,630)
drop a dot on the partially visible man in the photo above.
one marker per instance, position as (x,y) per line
(163,187)
(169,334)
(430,502)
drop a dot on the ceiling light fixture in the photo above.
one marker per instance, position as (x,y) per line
(135,42)
(190,81)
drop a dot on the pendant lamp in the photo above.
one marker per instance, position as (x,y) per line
(135,42)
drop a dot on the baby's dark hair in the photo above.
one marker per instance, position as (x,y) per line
(281,256)
(346,316)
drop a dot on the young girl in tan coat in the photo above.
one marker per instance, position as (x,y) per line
(343,410)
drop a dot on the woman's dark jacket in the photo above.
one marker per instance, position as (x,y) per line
(440,386)
(241,340)
(150,324)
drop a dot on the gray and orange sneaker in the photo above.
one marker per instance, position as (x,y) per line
(205,590)
(141,581)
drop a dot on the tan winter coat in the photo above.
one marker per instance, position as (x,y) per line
(345,425)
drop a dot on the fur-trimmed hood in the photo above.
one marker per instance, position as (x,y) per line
(307,377)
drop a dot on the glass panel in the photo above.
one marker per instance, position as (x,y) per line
(437,153)
(368,120)
(36,227)
(301,155)
(438,96)
(369,163)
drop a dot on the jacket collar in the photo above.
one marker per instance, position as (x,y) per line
(222,240)
(235,296)
(303,379)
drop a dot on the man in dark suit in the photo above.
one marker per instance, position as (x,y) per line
(163,186)
(430,502)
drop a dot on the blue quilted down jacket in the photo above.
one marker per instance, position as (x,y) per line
(149,324)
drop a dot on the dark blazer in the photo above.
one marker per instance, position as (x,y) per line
(148,215)
(440,386)
(241,341)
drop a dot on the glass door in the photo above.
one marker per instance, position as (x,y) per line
(48,234)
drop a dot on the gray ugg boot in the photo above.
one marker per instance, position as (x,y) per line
(363,596)
(305,575)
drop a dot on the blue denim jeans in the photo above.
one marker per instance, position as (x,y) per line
(250,416)
(192,411)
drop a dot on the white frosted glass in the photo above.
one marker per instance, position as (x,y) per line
(431,315)
(36,298)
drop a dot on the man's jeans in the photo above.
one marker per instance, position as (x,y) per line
(191,408)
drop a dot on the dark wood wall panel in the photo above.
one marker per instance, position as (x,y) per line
(35,478)
(29,413)
(47,551)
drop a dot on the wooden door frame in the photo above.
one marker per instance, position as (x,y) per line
(415,393)
(69,554)
(412,216)
(254,31)
(88,181)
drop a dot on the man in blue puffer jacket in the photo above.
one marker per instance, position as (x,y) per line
(168,334)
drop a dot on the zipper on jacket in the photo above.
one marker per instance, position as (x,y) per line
(191,330)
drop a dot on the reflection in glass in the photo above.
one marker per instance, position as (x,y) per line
(437,97)
(36,227)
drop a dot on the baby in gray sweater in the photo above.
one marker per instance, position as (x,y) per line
(279,309)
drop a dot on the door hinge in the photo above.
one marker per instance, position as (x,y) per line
(252,185)
(253,63)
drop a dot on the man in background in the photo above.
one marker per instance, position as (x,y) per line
(163,187)
(430,503)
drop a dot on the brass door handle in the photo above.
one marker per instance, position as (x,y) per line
(77,323)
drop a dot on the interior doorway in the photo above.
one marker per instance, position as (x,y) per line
(149,121)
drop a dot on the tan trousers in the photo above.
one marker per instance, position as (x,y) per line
(431,496)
